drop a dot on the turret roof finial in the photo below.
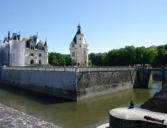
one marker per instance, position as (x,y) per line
(45,42)
(79,29)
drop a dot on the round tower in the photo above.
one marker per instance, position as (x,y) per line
(79,49)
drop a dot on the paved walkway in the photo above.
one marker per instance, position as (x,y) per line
(11,118)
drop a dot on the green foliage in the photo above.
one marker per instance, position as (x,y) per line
(58,59)
(161,58)
(97,59)
(129,55)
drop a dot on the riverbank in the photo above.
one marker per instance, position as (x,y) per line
(158,103)
(11,118)
(82,114)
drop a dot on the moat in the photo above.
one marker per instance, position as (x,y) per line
(83,114)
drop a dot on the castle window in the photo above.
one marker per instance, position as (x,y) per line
(32,62)
(73,53)
(32,54)
(39,61)
(40,54)
(27,44)
(32,47)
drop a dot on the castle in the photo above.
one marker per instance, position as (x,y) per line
(17,50)
(79,49)
(23,51)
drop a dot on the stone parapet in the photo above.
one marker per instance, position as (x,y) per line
(136,118)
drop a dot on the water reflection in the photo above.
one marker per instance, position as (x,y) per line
(86,113)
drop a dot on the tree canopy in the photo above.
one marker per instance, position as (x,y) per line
(126,56)
(58,59)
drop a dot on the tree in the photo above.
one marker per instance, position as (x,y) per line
(58,59)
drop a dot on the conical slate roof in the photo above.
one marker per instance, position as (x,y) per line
(78,33)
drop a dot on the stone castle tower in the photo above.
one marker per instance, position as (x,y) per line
(79,49)
(23,51)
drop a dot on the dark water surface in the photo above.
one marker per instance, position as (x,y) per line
(83,114)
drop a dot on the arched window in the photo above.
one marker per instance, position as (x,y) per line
(27,44)
(31,61)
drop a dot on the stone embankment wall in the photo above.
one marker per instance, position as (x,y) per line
(98,81)
(49,81)
(143,76)
(157,75)
(158,102)
(70,83)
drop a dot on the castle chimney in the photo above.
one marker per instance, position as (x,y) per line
(8,35)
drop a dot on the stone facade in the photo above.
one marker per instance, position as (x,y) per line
(79,49)
(23,51)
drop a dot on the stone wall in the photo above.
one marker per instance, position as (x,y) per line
(142,77)
(158,102)
(4,54)
(121,123)
(157,75)
(38,56)
(125,117)
(58,83)
(16,53)
(95,83)
(70,83)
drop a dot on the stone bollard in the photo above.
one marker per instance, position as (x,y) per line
(136,118)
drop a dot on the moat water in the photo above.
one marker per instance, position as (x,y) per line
(83,114)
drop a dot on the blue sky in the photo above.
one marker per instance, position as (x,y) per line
(106,24)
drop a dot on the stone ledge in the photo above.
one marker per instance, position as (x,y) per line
(11,118)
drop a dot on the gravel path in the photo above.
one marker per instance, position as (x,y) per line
(11,118)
